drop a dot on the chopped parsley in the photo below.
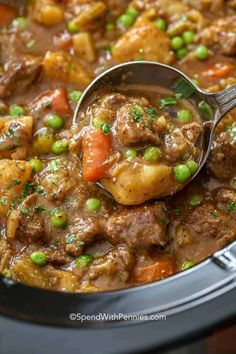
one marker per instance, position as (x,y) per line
(39,208)
(31,44)
(46,104)
(80,244)
(39,190)
(105,129)
(16,181)
(231,206)
(54,166)
(168,101)
(152,112)
(136,113)
(70,238)
(3,201)
(24,210)
(214,213)
(177,210)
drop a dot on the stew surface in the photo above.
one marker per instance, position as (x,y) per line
(58,230)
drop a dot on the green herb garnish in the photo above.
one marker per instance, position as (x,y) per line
(137,113)
(152,112)
(231,206)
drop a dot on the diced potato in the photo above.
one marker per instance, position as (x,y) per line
(89,13)
(144,40)
(15,136)
(68,281)
(27,272)
(83,46)
(134,183)
(47,12)
(48,277)
(65,67)
(43,141)
(13,173)
(26,122)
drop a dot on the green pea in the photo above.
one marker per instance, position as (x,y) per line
(16,111)
(105,128)
(188,37)
(83,260)
(97,123)
(126,20)
(131,153)
(110,26)
(192,166)
(53,121)
(21,23)
(184,116)
(195,199)
(177,42)
(60,146)
(38,258)
(93,205)
(205,109)
(6,273)
(181,53)
(202,52)
(152,154)
(36,165)
(72,27)
(187,264)
(161,24)
(58,218)
(132,12)
(75,95)
(182,173)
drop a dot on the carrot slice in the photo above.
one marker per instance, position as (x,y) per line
(53,100)
(159,270)
(7,15)
(220,70)
(96,147)
(59,101)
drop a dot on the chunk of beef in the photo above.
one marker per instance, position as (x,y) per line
(19,75)
(145,38)
(177,144)
(113,101)
(222,161)
(192,131)
(208,222)
(112,270)
(59,179)
(139,227)
(215,7)
(25,223)
(56,255)
(221,35)
(83,231)
(226,200)
(135,126)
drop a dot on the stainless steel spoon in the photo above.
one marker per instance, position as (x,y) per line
(211,107)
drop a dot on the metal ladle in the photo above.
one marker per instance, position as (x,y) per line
(212,107)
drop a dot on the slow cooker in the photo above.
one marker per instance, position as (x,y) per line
(157,316)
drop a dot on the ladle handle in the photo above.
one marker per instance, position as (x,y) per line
(224,101)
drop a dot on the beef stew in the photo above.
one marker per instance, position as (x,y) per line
(58,229)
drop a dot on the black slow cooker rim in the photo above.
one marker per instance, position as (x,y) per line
(183,291)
